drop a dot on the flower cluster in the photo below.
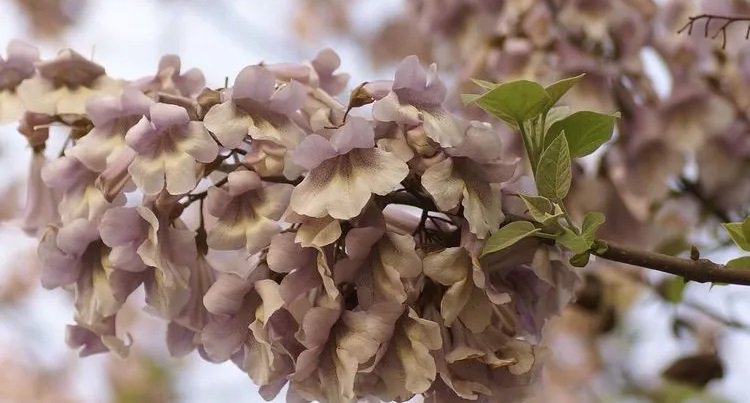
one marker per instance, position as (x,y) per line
(333,251)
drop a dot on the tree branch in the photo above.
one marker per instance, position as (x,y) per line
(727,21)
(700,270)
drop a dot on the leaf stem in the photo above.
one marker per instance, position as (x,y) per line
(528,145)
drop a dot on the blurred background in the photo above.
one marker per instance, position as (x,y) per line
(603,352)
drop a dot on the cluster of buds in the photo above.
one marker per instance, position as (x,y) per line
(332,248)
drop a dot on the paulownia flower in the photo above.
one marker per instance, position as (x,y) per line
(336,346)
(183,333)
(317,73)
(470,177)
(168,79)
(232,301)
(407,367)
(306,268)
(169,147)
(72,255)
(257,109)
(465,298)
(344,172)
(99,338)
(171,250)
(247,212)
(16,67)
(416,99)
(77,185)
(379,262)
(63,85)
(272,347)
(61,250)
(112,117)
(41,201)
(529,269)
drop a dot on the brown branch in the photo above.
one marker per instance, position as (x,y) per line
(700,270)
(727,21)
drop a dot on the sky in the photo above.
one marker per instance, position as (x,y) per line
(221,37)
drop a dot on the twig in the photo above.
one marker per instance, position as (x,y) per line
(722,29)
(700,270)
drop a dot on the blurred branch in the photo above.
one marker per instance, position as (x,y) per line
(727,21)
(716,316)
(693,189)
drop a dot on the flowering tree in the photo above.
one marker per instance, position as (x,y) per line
(397,244)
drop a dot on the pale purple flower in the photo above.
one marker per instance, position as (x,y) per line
(61,251)
(306,268)
(41,201)
(171,250)
(232,302)
(247,212)
(407,367)
(315,232)
(169,79)
(415,99)
(272,347)
(268,159)
(317,73)
(77,185)
(63,85)
(344,172)
(471,177)
(183,333)
(336,347)
(169,148)
(527,270)
(465,299)
(257,109)
(98,338)
(123,230)
(17,66)
(112,117)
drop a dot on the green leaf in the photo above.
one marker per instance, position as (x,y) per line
(740,233)
(487,85)
(740,263)
(555,114)
(580,259)
(672,289)
(469,98)
(539,207)
(557,89)
(553,170)
(515,101)
(585,131)
(591,222)
(508,235)
(576,243)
